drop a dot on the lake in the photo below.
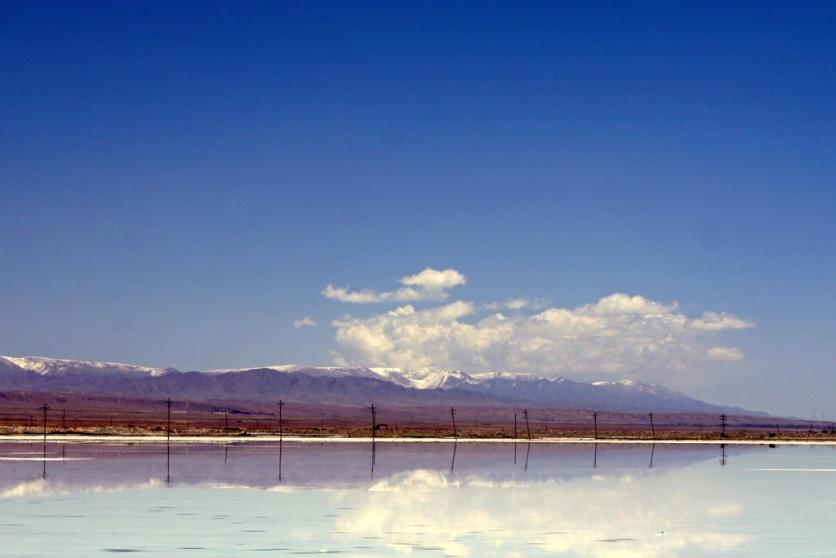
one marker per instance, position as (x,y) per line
(429,499)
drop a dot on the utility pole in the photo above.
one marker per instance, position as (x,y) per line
(527,428)
(44,408)
(723,419)
(453,416)
(595,420)
(168,421)
(373,409)
(226,422)
(652,427)
(515,426)
(281,427)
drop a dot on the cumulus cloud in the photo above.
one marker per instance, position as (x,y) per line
(429,284)
(304,322)
(619,334)
(713,321)
(512,304)
(727,354)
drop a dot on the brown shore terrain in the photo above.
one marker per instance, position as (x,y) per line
(22,413)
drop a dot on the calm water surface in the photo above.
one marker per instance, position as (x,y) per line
(417,499)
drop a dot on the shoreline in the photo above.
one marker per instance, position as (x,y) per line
(218,440)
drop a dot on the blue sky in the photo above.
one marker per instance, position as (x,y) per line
(180,182)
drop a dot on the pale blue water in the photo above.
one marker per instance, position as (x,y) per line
(565,501)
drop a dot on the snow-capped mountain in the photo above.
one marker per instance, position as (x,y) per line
(339,385)
(57,366)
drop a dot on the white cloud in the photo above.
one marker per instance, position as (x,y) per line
(713,321)
(512,304)
(304,322)
(724,354)
(429,284)
(619,334)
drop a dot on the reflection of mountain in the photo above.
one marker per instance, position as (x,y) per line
(229,502)
(339,386)
(333,465)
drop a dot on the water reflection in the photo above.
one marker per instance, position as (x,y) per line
(453,459)
(440,499)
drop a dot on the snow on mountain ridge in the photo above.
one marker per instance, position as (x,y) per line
(46,366)
(425,378)
(507,386)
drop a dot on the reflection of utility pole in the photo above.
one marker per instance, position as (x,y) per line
(652,451)
(595,456)
(652,427)
(453,460)
(168,444)
(453,416)
(722,454)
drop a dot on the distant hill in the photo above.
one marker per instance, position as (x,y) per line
(347,386)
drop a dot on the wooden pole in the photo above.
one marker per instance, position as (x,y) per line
(168,420)
(281,423)
(373,409)
(515,427)
(226,422)
(652,427)
(527,428)
(453,416)
(44,408)
(595,421)
(723,426)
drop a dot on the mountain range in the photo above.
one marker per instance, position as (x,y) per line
(341,386)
